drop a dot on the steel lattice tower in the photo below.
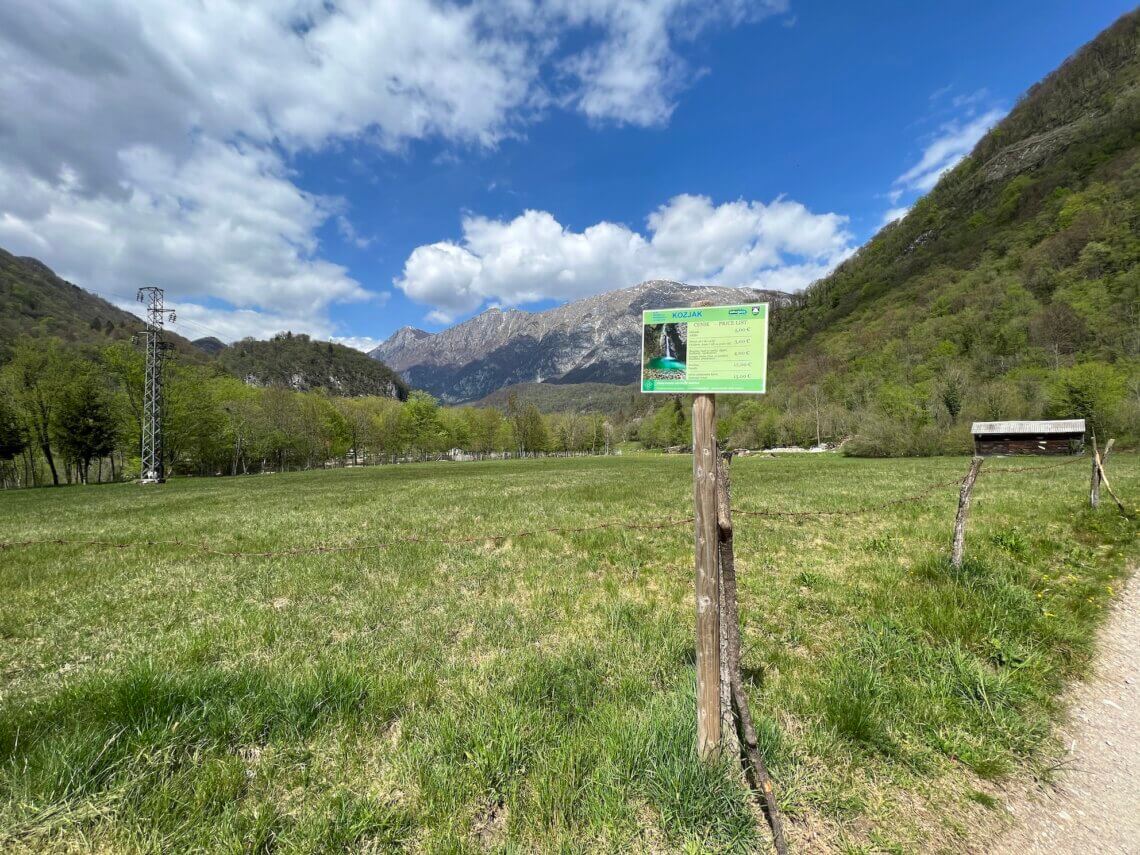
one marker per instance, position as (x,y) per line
(153,465)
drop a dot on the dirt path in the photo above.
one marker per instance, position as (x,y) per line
(1095,804)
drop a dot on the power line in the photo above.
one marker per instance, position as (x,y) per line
(111,294)
(173,321)
(201,326)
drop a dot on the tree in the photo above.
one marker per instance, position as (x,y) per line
(329,429)
(484,427)
(951,390)
(124,368)
(386,428)
(36,373)
(12,438)
(667,426)
(531,433)
(84,426)
(195,422)
(246,426)
(1059,330)
(357,415)
(455,429)
(817,401)
(279,408)
(420,423)
(1090,391)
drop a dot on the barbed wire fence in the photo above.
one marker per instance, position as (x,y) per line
(496,537)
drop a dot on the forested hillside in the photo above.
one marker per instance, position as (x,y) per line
(608,398)
(71,386)
(35,302)
(1011,290)
(297,362)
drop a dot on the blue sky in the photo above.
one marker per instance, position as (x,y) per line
(351,169)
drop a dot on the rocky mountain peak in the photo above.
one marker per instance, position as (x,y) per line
(594,339)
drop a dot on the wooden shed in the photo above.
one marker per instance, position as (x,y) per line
(1056,437)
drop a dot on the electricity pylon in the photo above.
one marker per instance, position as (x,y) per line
(153,465)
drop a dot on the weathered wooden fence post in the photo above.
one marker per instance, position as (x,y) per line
(707,572)
(1097,462)
(708,576)
(728,739)
(1103,479)
(741,732)
(959,549)
(729,611)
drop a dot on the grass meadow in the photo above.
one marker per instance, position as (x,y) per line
(536,694)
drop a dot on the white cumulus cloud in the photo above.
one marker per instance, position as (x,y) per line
(152,142)
(225,222)
(533,257)
(634,74)
(893,214)
(953,141)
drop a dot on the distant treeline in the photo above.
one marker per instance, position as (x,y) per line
(72,414)
(930,416)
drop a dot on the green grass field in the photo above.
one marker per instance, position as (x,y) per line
(535,694)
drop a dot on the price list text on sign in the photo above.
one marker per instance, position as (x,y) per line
(703,350)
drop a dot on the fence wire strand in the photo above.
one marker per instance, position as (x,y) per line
(329,548)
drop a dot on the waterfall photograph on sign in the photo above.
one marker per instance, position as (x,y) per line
(665,351)
(721,349)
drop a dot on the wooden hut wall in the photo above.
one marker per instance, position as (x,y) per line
(1051,444)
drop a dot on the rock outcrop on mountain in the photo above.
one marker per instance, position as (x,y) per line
(593,340)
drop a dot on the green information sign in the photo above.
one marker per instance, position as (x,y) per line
(714,349)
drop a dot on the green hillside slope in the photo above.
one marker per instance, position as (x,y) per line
(35,302)
(1011,290)
(297,362)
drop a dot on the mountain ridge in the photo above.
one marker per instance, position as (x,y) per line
(595,339)
(37,303)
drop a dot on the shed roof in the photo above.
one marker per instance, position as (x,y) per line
(1062,426)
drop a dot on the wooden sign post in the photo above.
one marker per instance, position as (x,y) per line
(708,577)
(705,350)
